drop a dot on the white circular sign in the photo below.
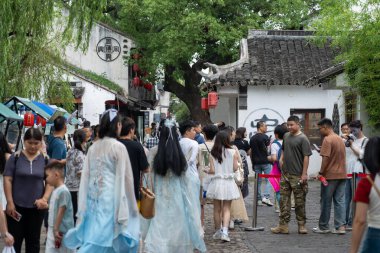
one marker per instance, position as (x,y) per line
(271,117)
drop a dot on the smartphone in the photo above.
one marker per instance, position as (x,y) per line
(316,147)
(17,217)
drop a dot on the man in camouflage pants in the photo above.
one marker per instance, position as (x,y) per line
(294,164)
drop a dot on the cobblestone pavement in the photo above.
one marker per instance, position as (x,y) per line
(266,242)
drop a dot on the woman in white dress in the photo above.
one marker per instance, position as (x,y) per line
(222,188)
(176,226)
(108,218)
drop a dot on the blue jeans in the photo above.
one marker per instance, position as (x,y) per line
(348,200)
(371,243)
(334,192)
(263,169)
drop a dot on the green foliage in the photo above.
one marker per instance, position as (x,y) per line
(28,42)
(179,109)
(182,31)
(354,26)
(94,77)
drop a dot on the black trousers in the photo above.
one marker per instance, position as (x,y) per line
(28,228)
(74,200)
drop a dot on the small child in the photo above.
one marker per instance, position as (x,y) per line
(60,209)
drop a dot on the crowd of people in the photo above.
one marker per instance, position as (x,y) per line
(88,195)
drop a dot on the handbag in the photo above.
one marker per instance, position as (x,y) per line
(147,198)
(239,173)
(9,249)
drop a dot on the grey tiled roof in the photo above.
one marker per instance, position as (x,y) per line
(280,58)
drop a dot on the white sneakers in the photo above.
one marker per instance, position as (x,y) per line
(267,202)
(219,235)
(225,238)
(321,231)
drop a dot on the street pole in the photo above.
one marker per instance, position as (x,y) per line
(254,213)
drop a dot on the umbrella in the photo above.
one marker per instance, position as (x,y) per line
(335,119)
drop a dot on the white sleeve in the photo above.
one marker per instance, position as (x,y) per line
(274,149)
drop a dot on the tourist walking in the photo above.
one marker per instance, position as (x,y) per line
(259,145)
(222,188)
(356,141)
(275,155)
(245,151)
(294,163)
(333,170)
(108,218)
(204,153)
(5,153)
(74,165)
(27,192)
(176,225)
(60,209)
(367,198)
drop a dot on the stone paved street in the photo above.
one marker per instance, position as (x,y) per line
(266,242)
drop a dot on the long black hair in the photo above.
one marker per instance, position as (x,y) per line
(169,154)
(222,141)
(79,137)
(4,148)
(107,127)
(371,157)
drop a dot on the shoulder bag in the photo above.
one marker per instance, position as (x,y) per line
(147,197)
(239,173)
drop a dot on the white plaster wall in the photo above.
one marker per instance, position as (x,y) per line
(89,60)
(277,102)
(93,99)
(225,111)
(162,106)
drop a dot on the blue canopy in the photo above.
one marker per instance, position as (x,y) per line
(48,109)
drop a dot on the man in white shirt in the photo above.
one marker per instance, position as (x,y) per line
(356,142)
(188,145)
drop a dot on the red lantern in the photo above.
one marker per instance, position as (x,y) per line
(148,86)
(41,121)
(28,119)
(136,81)
(136,67)
(204,103)
(212,99)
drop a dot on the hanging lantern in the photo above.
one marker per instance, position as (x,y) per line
(136,81)
(204,104)
(136,67)
(148,86)
(41,121)
(212,99)
(28,119)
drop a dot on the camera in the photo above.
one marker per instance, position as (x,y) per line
(349,137)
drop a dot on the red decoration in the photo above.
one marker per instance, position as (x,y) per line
(212,99)
(136,81)
(136,67)
(41,121)
(148,86)
(28,119)
(204,103)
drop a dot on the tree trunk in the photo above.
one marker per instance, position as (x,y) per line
(188,93)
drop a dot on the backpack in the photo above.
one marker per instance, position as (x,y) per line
(279,152)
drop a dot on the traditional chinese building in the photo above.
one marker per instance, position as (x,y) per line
(100,78)
(282,73)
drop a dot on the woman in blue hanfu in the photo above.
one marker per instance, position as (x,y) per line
(176,226)
(108,218)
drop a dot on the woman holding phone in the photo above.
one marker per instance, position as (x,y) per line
(26,192)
